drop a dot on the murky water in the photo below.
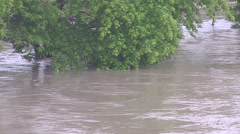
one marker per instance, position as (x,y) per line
(198,91)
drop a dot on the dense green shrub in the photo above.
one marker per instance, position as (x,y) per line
(106,34)
(236,13)
(1,47)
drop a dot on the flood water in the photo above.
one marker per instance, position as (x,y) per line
(195,92)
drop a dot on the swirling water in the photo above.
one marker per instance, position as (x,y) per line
(197,91)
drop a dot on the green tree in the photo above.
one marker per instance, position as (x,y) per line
(107,34)
(5,5)
(236,13)
(30,27)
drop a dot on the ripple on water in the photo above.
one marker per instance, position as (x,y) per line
(197,92)
(195,115)
(12,62)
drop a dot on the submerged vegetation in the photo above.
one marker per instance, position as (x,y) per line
(106,34)
(1,47)
(236,13)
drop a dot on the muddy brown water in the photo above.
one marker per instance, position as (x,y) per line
(197,91)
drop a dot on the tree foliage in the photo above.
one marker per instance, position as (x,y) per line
(5,5)
(236,12)
(107,34)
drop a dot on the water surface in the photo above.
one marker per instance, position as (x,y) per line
(197,91)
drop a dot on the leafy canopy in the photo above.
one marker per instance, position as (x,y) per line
(236,13)
(107,34)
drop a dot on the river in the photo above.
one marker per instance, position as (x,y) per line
(195,92)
